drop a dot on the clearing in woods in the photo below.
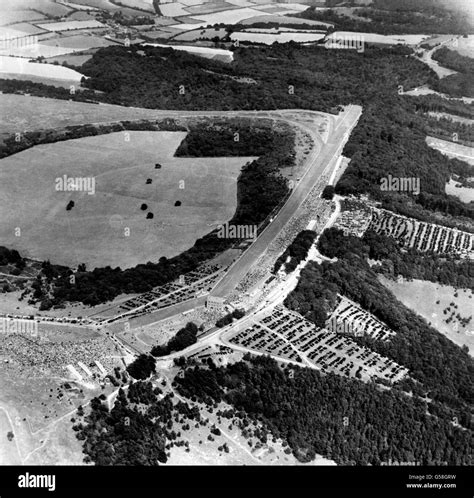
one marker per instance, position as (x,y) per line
(436,303)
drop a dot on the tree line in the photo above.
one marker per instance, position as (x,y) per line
(351,422)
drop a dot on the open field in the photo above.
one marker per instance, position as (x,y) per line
(173,9)
(59,83)
(55,45)
(51,113)
(40,409)
(239,3)
(139,4)
(77,6)
(192,2)
(380,39)
(206,52)
(79,42)
(452,149)
(98,4)
(34,50)
(47,7)
(50,8)
(269,38)
(9,454)
(12,16)
(71,25)
(282,20)
(283,8)
(163,33)
(465,194)
(21,29)
(227,17)
(464,46)
(209,7)
(109,227)
(436,40)
(17,65)
(430,299)
(247,16)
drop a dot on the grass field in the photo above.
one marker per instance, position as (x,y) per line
(79,42)
(55,44)
(464,46)
(77,6)
(452,149)
(9,17)
(173,9)
(8,450)
(430,299)
(51,113)
(465,194)
(25,28)
(226,17)
(381,39)
(17,65)
(109,227)
(70,25)
(269,38)
(281,20)
(206,52)
(139,4)
(209,7)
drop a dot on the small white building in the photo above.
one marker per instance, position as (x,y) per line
(215,303)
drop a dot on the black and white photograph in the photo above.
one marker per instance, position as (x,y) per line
(236,246)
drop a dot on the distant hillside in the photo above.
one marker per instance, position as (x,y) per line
(390,17)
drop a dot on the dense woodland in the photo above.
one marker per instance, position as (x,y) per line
(435,103)
(443,369)
(183,338)
(142,367)
(395,17)
(457,85)
(137,431)
(349,421)
(296,251)
(394,261)
(10,256)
